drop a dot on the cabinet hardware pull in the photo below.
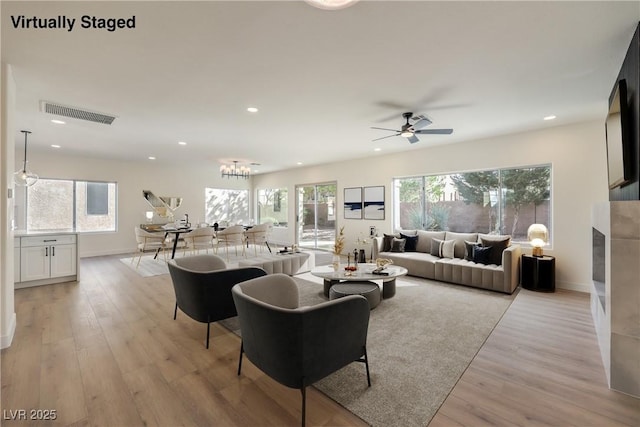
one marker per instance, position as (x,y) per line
(53,251)
(46,251)
(50,240)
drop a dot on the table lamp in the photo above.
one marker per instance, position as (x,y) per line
(538,237)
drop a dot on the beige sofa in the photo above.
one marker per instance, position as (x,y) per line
(456,269)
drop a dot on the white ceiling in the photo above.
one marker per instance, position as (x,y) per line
(321,79)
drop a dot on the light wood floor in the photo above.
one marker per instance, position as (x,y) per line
(106,351)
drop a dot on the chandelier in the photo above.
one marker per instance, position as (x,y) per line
(234,170)
(24,177)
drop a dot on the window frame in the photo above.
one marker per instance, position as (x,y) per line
(500,191)
(74,205)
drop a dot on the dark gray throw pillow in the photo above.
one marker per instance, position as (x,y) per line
(499,244)
(468,249)
(435,247)
(482,254)
(410,242)
(387,240)
(398,245)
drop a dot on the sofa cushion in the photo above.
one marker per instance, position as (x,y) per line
(460,238)
(499,243)
(482,254)
(398,245)
(469,247)
(410,242)
(424,240)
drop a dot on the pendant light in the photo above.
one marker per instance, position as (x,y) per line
(23,177)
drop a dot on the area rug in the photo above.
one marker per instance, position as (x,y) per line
(419,344)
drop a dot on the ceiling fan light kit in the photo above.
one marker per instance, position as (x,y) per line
(331,4)
(24,177)
(413,127)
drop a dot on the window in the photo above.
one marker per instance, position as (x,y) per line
(500,201)
(273,205)
(83,206)
(226,206)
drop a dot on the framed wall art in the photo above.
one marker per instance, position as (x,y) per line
(374,202)
(353,203)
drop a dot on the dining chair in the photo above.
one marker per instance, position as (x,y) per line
(200,238)
(294,345)
(259,235)
(146,240)
(233,236)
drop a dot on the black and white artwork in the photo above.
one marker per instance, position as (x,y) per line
(353,203)
(374,202)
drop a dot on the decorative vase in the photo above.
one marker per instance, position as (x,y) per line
(335,262)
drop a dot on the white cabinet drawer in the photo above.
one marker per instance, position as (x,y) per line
(59,239)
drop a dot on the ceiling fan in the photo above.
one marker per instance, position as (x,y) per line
(414,127)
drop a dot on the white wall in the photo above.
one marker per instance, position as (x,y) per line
(7,311)
(576,152)
(132,178)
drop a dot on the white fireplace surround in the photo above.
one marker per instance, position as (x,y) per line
(618,322)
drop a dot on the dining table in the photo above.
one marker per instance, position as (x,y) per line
(176,232)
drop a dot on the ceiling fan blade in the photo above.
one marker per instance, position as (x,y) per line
(392,130)
(434,131)
(384,137)
(422,121)
(413,139)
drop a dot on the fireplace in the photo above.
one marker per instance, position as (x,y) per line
(615,292)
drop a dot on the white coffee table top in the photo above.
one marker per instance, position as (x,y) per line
(363,273)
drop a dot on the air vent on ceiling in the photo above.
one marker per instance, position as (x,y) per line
(76,113)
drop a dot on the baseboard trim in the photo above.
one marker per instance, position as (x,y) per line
(579,287)
(6,340)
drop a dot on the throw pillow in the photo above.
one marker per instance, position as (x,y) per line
(398,245)
(387,240)
(469,247)
(499,244)
(447,249)
(410,242)
(482,254)
(435,247)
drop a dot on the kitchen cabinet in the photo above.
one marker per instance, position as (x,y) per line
(46,259)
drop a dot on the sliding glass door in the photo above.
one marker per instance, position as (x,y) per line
(316,216)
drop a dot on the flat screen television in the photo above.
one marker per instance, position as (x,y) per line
(619,162)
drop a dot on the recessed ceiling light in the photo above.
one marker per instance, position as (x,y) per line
(58,122)
(252,109)
(55,145)
(549,118)
(182,143)
(377,149)
(299,163)
(152,158)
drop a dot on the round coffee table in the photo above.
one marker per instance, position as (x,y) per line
(363,273)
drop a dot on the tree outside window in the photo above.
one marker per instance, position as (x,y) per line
(500,201)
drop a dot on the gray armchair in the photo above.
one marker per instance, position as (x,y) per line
(298,346)
(203,283)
